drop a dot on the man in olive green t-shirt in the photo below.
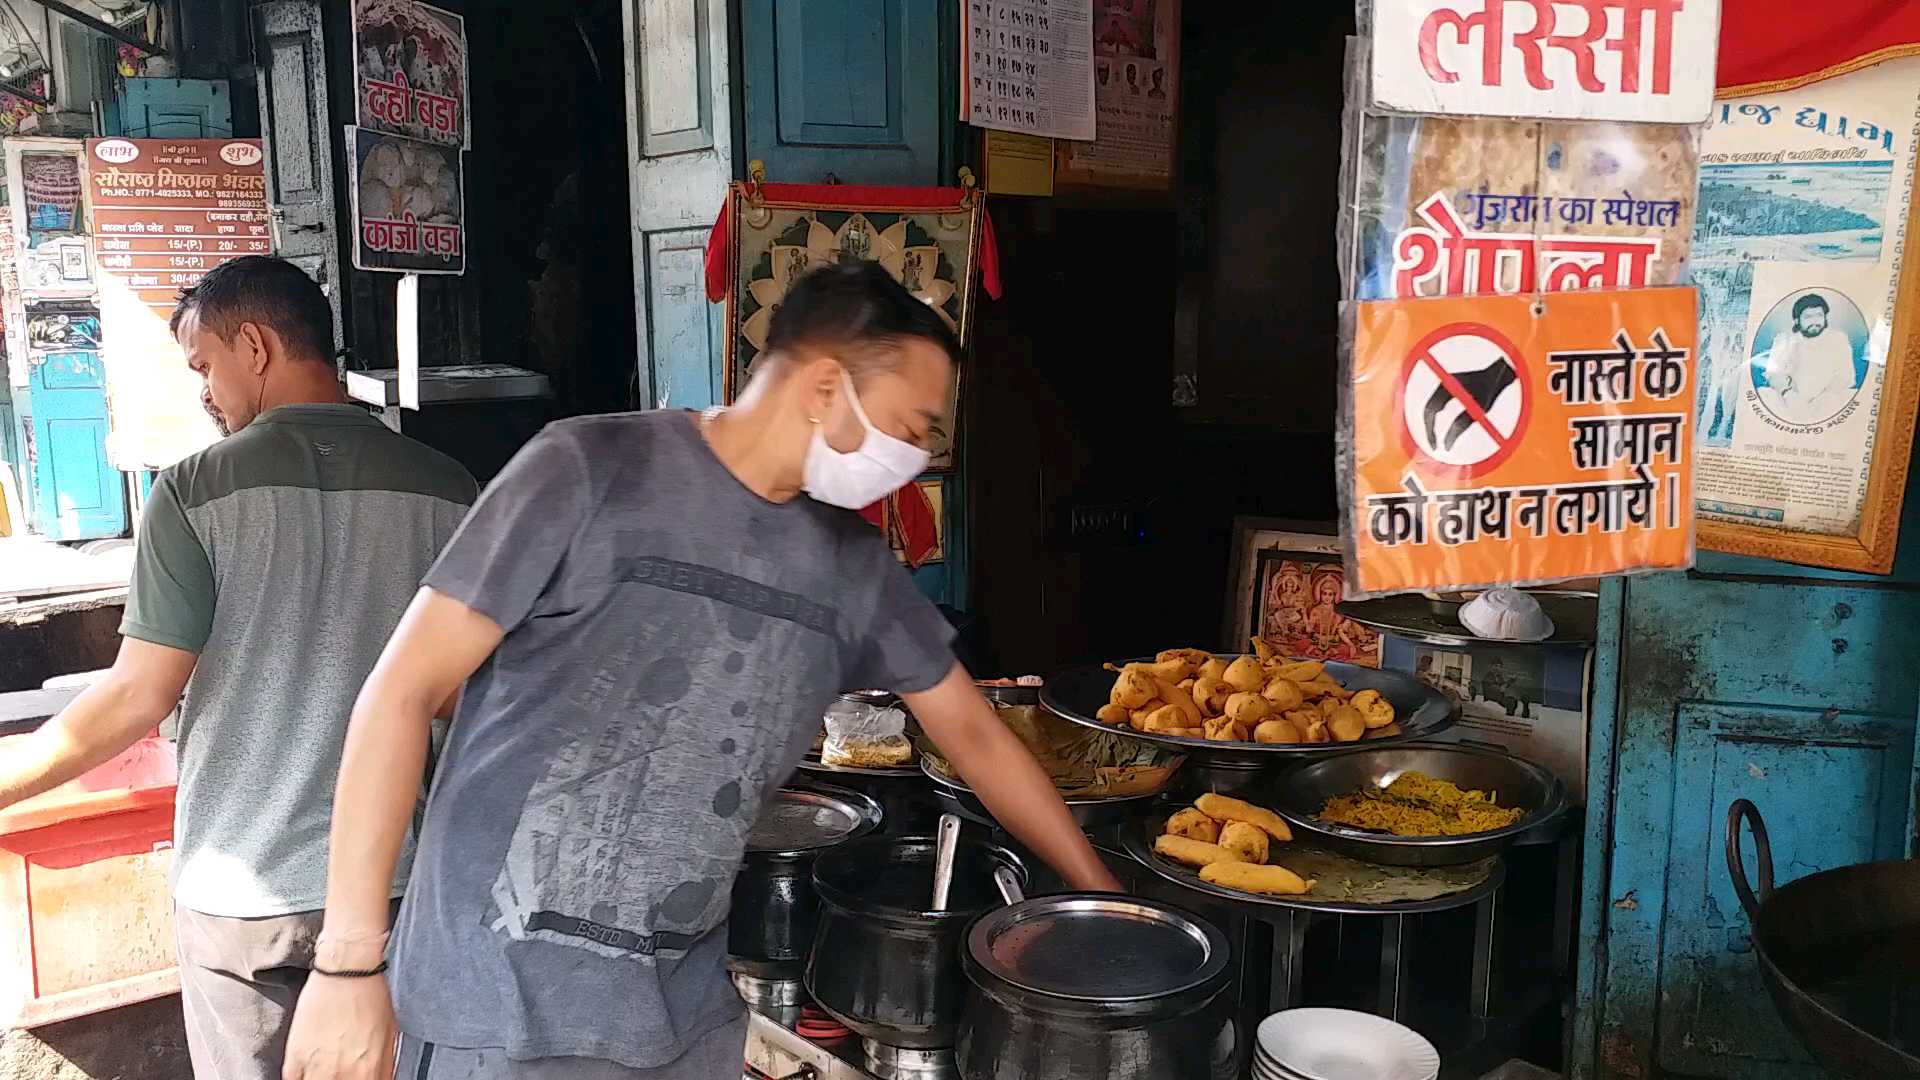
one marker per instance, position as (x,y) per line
(271,569)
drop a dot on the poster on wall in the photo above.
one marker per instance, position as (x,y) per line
(1454,206)
(1136,87)
(1286,584)
(410,71)
(1027,66)
(53,260)
(409,213)
(1805,202)
(1650,61)
(1529,439)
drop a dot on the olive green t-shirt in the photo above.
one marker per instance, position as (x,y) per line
(283,556)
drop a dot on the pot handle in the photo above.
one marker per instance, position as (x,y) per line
(946,842)
(1762,855)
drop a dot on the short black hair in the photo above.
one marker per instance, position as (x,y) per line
(1808,303)
(265,290)
(855,308)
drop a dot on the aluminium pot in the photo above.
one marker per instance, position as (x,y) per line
(1090,986)
(883,963)
(774,910)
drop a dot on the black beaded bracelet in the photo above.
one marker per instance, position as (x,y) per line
(368,973)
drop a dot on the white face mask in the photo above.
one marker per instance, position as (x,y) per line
(880,466)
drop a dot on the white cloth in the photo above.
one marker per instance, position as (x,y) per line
(1811,378)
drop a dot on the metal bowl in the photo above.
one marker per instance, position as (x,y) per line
(1301,793)
(1078,694)
(1092,813)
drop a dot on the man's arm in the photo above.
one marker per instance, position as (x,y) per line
(136,693)
(344,1027)
(1008,780)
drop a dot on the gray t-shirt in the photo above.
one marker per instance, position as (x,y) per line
(283,556)
(672,640)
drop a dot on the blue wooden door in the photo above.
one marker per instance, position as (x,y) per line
(78,495)
(856,90)
(1794,688)
(170,109)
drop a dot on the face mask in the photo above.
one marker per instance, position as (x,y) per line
(880,466)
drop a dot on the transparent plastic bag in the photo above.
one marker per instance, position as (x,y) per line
(866,735)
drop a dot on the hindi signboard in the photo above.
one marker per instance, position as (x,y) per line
(409,210)
(1518,439)
(1641,60)
(1136,57)
(410,71)
(1809,348)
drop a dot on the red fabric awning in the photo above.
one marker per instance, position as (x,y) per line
(1772,45)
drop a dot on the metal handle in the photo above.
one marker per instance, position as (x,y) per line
(1008,883)
(945,841)
(1762,856)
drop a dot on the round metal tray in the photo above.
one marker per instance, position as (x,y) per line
(1437,622)
(1090,813)
(1422,711)
(1300,794)
(1138,839)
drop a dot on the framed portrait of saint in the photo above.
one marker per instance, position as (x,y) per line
(1286,579)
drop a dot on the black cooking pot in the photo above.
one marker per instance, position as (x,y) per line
(771,925)
(1088,986)
(885,964)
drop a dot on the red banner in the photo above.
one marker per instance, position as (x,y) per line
(1772,45)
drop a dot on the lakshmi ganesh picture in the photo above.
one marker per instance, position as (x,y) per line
(1297,615)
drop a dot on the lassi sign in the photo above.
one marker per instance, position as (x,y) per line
(1634,60)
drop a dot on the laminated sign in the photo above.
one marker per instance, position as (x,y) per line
(1519,439)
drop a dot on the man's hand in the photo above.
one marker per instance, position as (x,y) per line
(343,1029)
(131,699)
(1008,780)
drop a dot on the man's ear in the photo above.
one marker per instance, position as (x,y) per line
(251,341)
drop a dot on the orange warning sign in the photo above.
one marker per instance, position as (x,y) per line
(1520,439)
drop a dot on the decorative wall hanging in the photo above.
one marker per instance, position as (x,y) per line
(932,240)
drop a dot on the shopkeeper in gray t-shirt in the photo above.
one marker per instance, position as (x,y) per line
(649,620)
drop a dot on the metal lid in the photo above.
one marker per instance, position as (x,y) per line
(1097,948)
(879,699)
(807,819)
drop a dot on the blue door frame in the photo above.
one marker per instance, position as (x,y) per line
(1790,686)
(77,493)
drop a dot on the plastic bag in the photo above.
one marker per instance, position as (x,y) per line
(866,735)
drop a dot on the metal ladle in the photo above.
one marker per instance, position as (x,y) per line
(946,841)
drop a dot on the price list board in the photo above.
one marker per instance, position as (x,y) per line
(166,211)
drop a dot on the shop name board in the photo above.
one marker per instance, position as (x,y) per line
(1632,60)
(164,212)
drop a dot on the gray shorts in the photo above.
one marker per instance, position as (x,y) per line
(719,1055)
(239,980)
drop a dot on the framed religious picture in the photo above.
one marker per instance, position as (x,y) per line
(1287,577)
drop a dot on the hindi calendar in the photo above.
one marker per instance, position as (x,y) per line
(1027,67)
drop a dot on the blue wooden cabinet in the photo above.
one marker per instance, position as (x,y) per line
(1794,688)
(78,494)
(853,90)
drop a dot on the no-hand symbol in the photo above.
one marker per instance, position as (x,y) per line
(1464,398)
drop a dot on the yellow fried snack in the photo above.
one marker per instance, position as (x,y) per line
(1173,695)
(1221,729)
(1264,649)
(1346,724)
(1263,880)
(1191,657)
(1133,689)
(1317,732)
(1211,695)
(1225,808)
(1387,732)
(1186,684)
(1281,730)
(1304,718)
(1283,694)
(1248,710)
(1245,674)
(1167,719)
(1377,710)
(1194,825)
(1171,670)
(1191,852)
(1244,840)
(1300,671)
(1112,714)
(1326,706)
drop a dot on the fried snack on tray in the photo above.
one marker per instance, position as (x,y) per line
(1224,808)
(1194,825)
(1246,842)
(1248,877)
(1194,853)
(1230,700)
(1416,804)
